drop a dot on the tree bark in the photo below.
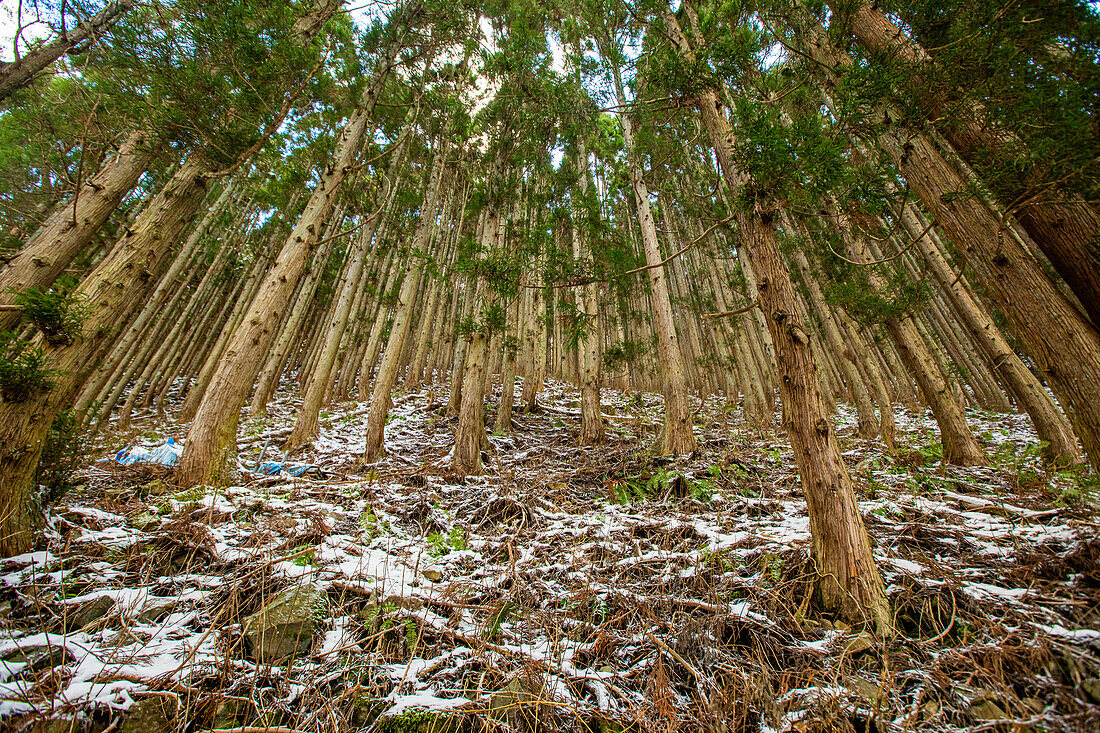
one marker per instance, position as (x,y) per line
(15,75)
(69,229)
(1067,230)
(678,436)
(213,432)
(114,290)
(1050,425)
(848,580)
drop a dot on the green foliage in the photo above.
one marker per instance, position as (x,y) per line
(618,356)
(306,558)
(23,369)
(372,526)
(1084,488)
(498,619)
(416,720)
(63,451)
(440,545)
(57,311)
(772,569)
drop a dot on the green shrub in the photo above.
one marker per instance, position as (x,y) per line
(63,451)
(23,372)
(58,311)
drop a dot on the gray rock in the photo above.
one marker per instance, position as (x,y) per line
(156,487)
(39,657)
(90,612)
(148,715)
(145,522)
(155,609)
(231,713)
(986,707)
(286,625)
(865,689)
(1092,689)
(514,705)
(861,643)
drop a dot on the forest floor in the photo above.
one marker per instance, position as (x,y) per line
(568,588)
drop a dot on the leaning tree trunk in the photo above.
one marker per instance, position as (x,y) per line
(113,291)
(848,581)
(1066,229)
(868,423)
(1064,346)
(403,314)
(213,432)
(72,224)
(1050,425)
(960,447)
(15,75)
(470,436)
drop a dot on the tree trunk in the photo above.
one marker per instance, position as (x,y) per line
(113,291)
(403,313)
(592,429)
(1065,229)
(1050,425)
(1064,346)
(848,580)
(15,75)
(71,226)
(677,437)
(213,433)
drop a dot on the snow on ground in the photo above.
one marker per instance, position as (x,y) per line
(568,588)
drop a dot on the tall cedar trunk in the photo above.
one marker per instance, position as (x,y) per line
(470,437)
(72,225)
(404,311)
(960,447)
(152,312)
(1066,229)
(503,424)
(15,75)
(592,430)
(848,580)
(867,422)
(307,425)
(1064,346)
(213,432)
(291,331)
(677,437)
(536,349)
(114,290)
(1050,425)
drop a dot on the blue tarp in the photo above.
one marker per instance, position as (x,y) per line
(272,468)
(166,454)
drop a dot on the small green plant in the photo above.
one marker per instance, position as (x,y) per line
(23,370)
(372,526)
(1085,488)
(628,490)
(457,538)
(772,568)
(379,617)
(933,452)
(498,619)
(63,451)
(58,311)
(306,558)
(440,545)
